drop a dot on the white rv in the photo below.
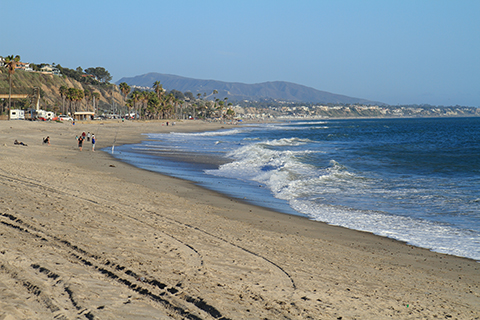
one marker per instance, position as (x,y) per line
(47,115)
(17,114)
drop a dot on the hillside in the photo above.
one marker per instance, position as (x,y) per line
(23,82)
(278,90)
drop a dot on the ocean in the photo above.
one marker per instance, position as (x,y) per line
(413,180)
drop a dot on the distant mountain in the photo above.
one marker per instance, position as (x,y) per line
(278,90)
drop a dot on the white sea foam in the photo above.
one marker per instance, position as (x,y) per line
(309,122)
(297,128)
(287,142)
(438,237)
(304,185)
(212,133)
(279,170)
(198,134)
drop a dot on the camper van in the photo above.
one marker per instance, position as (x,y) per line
(17,114)
(45,115)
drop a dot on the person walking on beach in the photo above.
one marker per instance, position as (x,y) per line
(93,142)
(88,136)
(80,143)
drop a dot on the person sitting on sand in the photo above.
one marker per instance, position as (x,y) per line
(46,140)
(19,143)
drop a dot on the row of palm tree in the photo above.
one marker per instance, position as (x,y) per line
(75,97)
(150,104)
(158,104)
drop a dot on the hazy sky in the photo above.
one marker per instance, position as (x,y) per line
(397,52)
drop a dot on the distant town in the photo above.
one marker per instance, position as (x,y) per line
(288,110)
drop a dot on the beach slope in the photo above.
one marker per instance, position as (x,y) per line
(83,235)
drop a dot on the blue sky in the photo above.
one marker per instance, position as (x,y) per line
(394,51)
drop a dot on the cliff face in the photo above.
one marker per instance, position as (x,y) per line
(24,82)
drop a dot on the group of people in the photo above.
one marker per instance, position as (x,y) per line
(80,140)
(45,141)
(87,136)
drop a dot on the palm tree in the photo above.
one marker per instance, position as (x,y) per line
(63,93)
(215,98)
(79,96)
(11,63)
(71,97)
(88,95)
(144,100)
(153,103)
(96,97)
(157,86)
(129,104)
(135,99)
(220,108)
(74,95)
(125,89)
(165,106)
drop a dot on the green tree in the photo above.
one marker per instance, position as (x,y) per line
(189,96)
(230,113)
(11,63)
(99,73)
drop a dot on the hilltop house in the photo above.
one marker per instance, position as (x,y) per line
(20,65)
(51,69)
(24,66)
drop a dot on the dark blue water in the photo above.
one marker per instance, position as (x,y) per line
(415,180)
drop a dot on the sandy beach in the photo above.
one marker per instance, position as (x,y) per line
(85,236)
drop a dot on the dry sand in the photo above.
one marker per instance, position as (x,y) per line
(84,236)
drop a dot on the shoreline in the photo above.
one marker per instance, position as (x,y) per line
(244,261)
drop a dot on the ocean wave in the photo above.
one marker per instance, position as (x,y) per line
(199,134)
(283,171)
(438,237)
(286,142)
(308,122)
(297,128)
(214,133)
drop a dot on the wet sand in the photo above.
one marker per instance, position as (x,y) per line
(83,235)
